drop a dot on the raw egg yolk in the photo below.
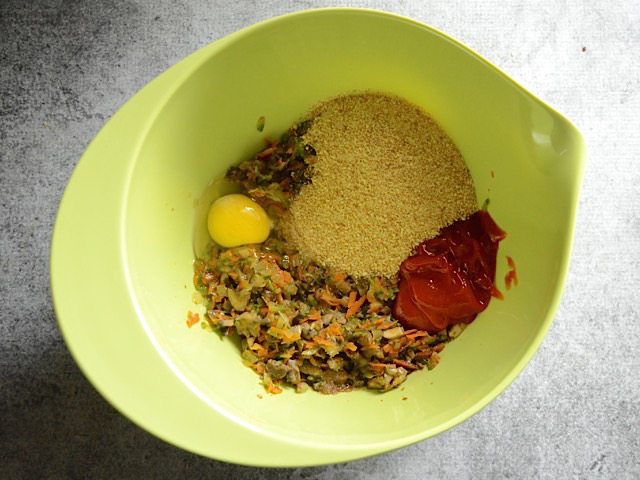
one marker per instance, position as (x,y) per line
(237,220)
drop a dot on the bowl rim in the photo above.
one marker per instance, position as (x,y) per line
(69,220)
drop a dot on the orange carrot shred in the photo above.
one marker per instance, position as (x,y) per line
(266,152)
(324,341)
(511,278)
(352,298)
(334,329)
(338,277)
(402,363)
(382,324)
(273,388)
(354,305)
(286,277)
(192,318)
(329,299)
(377,366)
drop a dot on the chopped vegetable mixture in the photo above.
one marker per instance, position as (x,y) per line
(307,326)
(300,323)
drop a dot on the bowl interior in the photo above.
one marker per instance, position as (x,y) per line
(522,155)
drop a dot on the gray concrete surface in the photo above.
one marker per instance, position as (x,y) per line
(66,66)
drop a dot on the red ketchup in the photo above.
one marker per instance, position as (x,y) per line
(450,278)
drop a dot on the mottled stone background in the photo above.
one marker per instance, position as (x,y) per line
(66,67)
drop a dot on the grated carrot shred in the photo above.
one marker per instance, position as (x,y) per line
(353,306)
(192,318)
(273,388)
(407,365)
(418,334)
(338,277)
(329,299)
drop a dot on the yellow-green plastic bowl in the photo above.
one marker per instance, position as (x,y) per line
(122,252)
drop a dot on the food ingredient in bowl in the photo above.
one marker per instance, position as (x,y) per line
(511,277)
(450,278)
(387,177)
(277,173)
(236,219)
(308,326)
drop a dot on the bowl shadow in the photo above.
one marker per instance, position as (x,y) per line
(54,424)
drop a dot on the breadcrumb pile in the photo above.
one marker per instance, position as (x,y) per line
(387,177)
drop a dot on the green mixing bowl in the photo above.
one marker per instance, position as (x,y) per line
(123,245)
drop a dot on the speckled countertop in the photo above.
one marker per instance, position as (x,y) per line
(66,67)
